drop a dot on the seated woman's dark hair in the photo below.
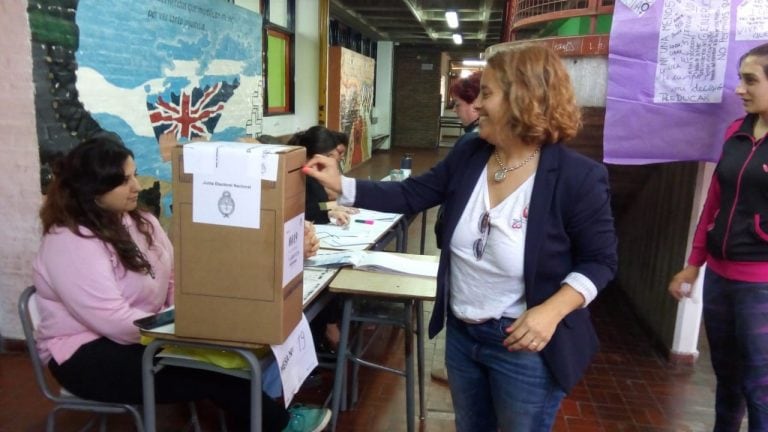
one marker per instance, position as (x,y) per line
(88,171)
(318,140)
(268,139)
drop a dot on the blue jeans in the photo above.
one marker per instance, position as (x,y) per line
(736,322)
(494,389)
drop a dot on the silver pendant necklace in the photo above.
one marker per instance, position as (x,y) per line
(501,173)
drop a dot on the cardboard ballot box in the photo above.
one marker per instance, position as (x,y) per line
(235,283)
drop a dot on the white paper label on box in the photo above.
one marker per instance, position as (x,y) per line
(269,166)
(293,248)
(199,158)
(270,160)
(226,187)
(225,200)
(296,358)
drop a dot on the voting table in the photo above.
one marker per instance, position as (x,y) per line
(408,290)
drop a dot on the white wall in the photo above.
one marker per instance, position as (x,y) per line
(589,76)
(307,61)
(20,188)
(382,112)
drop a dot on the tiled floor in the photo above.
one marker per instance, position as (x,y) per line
(629,387)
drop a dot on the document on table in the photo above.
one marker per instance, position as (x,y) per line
(296,358)
(315,278)
(362,231)
(336,237)
(375,216)
(385,262)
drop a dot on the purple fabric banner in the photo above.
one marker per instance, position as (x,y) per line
(642,126)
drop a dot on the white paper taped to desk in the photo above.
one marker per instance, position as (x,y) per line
(375,261)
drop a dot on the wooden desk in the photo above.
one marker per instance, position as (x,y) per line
(378,140)
(386,285)
(408,290)
(448,122)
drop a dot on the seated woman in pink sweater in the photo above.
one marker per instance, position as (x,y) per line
(102,264)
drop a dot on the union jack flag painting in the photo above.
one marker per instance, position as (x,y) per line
(190,114)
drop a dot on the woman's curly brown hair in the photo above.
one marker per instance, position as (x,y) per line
(541,104)
(87,172)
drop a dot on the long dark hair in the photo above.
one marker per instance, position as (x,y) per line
(318,140)
(88,171)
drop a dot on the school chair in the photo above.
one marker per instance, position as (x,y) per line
(65,400)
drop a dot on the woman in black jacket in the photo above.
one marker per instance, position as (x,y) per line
(320,204)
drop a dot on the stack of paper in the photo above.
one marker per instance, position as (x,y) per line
(375,261)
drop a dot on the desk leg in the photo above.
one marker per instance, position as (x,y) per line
(256,413)
(341,361)
(148,384)
(404,246)
(420,356)
(409,409)
(423,231)
(400,235)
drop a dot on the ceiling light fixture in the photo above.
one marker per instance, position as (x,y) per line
(457,38)
(473,62)
(452,18)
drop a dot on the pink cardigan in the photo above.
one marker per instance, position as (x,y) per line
(85,293)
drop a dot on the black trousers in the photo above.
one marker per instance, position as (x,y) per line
(106,371)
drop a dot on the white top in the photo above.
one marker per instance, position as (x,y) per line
(491,286)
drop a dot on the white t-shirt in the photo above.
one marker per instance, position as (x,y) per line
(492,286)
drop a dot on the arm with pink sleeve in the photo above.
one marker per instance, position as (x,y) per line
(711,206)
(162,239)
(169,298)
(85,276)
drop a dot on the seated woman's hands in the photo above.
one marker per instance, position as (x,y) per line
(311,242)
(348,210)
(338,217)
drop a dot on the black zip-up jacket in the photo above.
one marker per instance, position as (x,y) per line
(740,231)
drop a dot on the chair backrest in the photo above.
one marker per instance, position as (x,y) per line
(29,318)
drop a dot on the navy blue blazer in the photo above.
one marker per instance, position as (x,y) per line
(570,229)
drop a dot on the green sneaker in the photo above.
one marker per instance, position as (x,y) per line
(306,419)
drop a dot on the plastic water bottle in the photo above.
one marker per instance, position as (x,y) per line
(406,162)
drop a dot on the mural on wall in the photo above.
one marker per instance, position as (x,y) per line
(350,101)
(154,72)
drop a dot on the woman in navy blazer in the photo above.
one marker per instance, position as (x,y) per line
(530,242)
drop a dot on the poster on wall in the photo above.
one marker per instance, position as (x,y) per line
(350,101)
(672,72)
(155,73)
